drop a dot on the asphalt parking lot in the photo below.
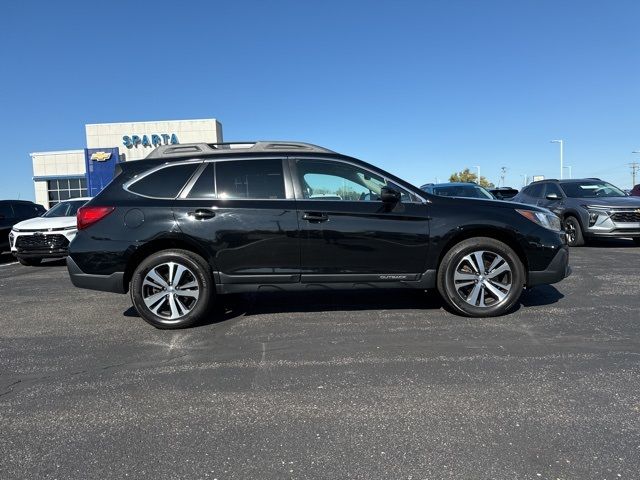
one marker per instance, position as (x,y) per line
(325,385)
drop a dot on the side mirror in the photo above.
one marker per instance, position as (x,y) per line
(499,196)
(389,195)
(553,196)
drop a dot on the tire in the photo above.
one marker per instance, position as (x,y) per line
(572,227)
(165,304)
(30,262)
(472,292)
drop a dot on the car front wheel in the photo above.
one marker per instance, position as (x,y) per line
(172,289)
(574,232)
(481,277)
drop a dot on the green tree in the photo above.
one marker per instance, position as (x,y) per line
(468,176)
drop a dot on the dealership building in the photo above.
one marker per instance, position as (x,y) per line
(64,174)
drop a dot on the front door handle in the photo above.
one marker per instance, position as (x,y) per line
(202,214)
(315,217)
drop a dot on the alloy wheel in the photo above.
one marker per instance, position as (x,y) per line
(483,279)
(170,291)
(570,230)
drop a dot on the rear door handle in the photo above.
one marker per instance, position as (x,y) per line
(315,217)
(202,214)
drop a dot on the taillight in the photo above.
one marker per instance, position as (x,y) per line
(89,215)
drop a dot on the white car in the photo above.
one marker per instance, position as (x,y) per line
(47,236)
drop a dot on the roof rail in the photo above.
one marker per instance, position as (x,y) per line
(190,149)
(545,180)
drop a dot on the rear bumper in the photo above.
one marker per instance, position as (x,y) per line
(557,270)
(105,283)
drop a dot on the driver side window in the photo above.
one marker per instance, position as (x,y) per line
(324,180)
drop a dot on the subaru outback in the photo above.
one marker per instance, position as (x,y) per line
(193,222)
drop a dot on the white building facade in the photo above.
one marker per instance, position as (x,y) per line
(60,175)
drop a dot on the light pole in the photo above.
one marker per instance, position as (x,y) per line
(569,167)
(478,179)
(561,142)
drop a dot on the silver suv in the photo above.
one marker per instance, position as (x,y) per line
(588,208)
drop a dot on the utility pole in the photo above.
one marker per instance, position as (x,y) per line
(635,166)
(503,171)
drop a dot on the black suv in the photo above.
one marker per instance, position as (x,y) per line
(588,207)
(193,221)
(12,212)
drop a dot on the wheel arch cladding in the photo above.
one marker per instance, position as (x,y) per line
(157,246)
(503,236)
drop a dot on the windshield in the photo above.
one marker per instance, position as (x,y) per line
(65,209)
(591,189)
(470,191)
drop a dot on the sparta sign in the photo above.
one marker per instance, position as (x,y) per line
(154,140)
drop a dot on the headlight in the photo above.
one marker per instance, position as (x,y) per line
(546,220)
(596,211)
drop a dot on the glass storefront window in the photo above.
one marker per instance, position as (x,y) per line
(65,188)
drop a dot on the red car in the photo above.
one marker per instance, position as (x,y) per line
(635,191)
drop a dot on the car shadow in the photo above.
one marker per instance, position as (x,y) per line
(58,262)
(259,303)
(539,296)
(7,258)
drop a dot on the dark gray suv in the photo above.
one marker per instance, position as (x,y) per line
(588,208)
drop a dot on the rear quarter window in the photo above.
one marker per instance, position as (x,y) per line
(164,183)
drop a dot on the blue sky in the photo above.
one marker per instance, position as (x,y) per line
(420,88)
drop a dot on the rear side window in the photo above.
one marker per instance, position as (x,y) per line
(535,191)
(205,185)
(166,182)
(250,179)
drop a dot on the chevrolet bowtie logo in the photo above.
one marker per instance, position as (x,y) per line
(100,156)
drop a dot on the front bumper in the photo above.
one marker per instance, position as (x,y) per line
(41,244)
(105,283)
(557,270)
(613,222)
(615,233)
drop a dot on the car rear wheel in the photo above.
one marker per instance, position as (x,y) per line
(172,289)
(481,277)
(30,262)
(574,232)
